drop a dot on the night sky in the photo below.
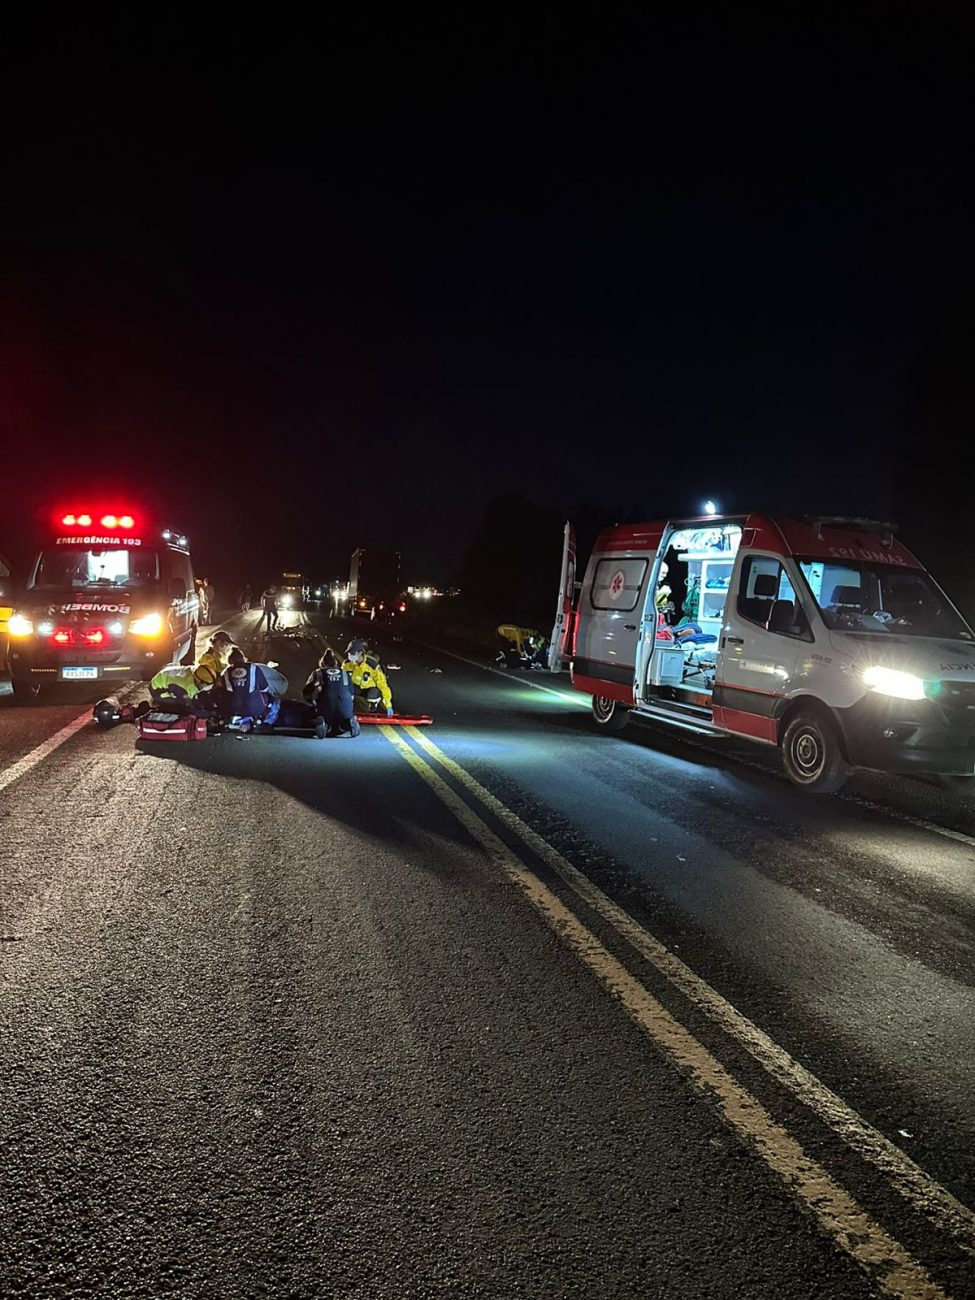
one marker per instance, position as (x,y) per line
(307,287)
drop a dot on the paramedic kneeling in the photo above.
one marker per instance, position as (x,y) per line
(329,688)
(178,689)
(368,678)
(245,691)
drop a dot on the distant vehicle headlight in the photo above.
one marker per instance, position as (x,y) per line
(893,682)
(285,602)
(147,625)
(20,626)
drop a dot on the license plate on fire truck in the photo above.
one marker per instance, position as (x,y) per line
(79,674)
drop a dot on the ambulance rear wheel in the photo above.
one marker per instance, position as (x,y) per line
(609,715)
(812,754)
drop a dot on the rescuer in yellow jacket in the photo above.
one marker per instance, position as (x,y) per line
(368,677)
(177,686)
(214,659)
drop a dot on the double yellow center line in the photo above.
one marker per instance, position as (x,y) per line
(894,1270)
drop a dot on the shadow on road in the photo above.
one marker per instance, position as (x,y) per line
(362,784)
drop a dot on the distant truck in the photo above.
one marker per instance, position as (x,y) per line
(374,582)
(291,591)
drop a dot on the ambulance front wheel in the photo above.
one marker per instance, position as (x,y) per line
(609,715)
(24,687)
(812,754)
(189,654)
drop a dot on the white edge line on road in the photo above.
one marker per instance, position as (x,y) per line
(859,802)
(919,1188)
(507,674)
(882,1257)
(24,765)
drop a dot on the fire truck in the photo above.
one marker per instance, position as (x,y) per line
(109,597)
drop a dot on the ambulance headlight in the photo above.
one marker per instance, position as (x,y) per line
(893,682)
(148,625)
(20,626)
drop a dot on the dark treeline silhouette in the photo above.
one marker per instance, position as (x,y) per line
(933,477)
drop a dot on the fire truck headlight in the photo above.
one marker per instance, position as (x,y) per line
(20,626)
(893,682)
(148,625)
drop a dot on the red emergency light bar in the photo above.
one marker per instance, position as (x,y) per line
(125,522)
(69,636)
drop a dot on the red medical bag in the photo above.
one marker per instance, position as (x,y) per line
(172,726)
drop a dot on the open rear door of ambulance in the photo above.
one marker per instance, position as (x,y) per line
(560,646)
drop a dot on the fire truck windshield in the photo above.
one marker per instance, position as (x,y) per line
(75,567)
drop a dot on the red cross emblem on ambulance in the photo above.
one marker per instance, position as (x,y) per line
(616,586)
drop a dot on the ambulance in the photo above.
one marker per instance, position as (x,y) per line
(822,636)
(109,598)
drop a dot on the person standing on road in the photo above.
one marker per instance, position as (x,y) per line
(269,609)
(329,689)
(211,596)
(201,600)
(368,678)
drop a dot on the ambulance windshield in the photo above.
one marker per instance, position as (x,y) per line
(75,567)
(881,598)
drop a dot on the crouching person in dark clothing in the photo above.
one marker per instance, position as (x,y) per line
(245,692)
(329,688)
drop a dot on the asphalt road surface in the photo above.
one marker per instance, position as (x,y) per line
(495,1008)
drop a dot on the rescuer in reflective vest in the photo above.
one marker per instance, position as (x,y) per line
(177,689)
(368,677)
(245,693)
(329,688)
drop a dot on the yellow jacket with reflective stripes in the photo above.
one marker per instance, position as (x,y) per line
(210,668)
(176,678)
(369,676)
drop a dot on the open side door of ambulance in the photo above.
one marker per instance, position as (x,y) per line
(560,644)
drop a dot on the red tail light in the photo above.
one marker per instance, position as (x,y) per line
(94,636)
(62,636)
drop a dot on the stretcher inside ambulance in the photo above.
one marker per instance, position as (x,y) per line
(823,636)
(108,598)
